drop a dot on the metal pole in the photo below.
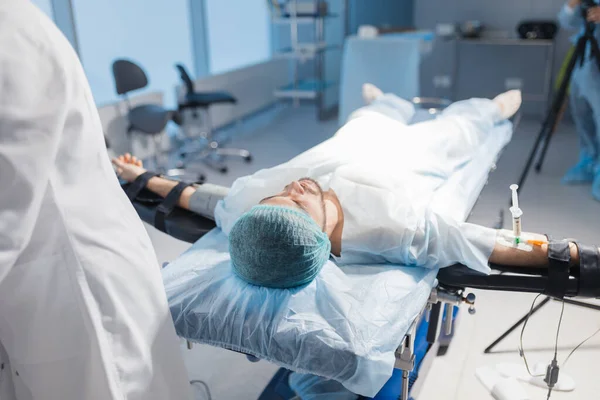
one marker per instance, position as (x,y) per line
(405,384)
(516,325)
(561,96)
(319,60)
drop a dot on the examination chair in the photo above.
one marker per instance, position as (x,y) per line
(146,119)
(208,148)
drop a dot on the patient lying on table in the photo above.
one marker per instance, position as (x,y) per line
(359,197)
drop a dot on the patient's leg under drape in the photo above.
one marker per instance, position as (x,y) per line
(454,136)
(389,105)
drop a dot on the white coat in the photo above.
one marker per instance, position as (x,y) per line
(83,312)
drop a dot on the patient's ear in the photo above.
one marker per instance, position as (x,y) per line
(331,214)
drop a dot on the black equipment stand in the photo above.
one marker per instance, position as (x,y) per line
(520,322)
(554,112)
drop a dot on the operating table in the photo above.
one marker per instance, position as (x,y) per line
(430,330)
(435,322)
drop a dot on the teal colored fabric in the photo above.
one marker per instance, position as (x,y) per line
(277,247)
(582,172)
(584,102)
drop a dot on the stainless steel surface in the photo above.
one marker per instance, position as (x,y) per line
(405,383)
(449,299)
(209,151)
(546,94)
(449,319)
(232,152)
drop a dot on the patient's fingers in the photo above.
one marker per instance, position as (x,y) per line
(127,157)
(118,166)
(117,162)
(139,163)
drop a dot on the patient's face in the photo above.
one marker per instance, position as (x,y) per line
(304,195)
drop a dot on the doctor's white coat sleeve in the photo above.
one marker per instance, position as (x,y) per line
(33,98)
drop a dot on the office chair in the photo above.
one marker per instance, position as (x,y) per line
(195,101)
(147,119)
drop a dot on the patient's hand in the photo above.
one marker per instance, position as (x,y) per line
(128,167)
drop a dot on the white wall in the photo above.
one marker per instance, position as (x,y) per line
(238,33)
(154,33)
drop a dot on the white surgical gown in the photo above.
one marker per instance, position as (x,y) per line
(83,312)
(384,173)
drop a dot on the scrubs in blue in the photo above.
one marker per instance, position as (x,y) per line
(585,107)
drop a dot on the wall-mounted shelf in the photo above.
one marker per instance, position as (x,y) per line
(304,51)
(298,53)
(301,19)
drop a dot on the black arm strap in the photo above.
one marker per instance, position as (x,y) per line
(168,205)
(589,271)
(139,184)
(559,259)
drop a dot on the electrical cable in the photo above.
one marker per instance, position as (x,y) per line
(578,346)
(554,364)
(562,311)
(208,395)
(554,361)
(521,350)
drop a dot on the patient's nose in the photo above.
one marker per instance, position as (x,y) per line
(296,187)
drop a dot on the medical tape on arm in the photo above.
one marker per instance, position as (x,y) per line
(506,238)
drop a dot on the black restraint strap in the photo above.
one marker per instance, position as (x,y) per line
(589,271)
(166,207)
(559,258)
(139,184)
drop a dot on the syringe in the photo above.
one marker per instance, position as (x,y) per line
(516,214)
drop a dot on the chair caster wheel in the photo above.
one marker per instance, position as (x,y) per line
(223,170)
(248,159)
(201,179)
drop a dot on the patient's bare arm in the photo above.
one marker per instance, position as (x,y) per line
(129,168)
(537,258)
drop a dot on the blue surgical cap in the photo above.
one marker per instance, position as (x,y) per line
(277,247)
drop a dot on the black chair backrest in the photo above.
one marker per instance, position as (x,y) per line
(128,76)
(185,77)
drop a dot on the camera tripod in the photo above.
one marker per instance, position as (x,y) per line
(552,118)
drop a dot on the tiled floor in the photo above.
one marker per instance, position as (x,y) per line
(548,207)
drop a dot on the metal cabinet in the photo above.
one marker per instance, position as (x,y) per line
(462,68)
